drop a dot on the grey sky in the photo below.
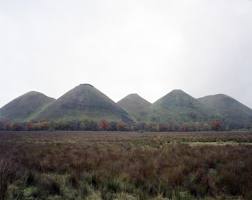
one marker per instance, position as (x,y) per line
(136,46)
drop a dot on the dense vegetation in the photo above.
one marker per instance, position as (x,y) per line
(103,125)
(125,166)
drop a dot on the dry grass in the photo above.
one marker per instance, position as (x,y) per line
(109,165)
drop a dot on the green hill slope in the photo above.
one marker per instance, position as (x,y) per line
(84,102)
(234,113)
(177,106)
(25,107)
(136,106)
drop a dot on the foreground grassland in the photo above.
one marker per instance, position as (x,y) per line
(107,165)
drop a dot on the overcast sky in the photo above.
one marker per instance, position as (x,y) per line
(149,47)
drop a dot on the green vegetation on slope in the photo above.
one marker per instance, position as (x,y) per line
(178,107)
(84,102)
(24,107)
(136,106)
(232,112)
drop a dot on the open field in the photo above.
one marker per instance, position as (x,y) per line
(125,165)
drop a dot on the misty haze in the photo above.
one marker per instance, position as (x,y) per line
(126,100)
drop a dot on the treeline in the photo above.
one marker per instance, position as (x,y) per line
(104,125)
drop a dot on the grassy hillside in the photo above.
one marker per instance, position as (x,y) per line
(234,113)
(84,102)
(177,106)
(136,106)
(25,107)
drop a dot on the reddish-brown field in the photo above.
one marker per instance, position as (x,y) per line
(125,165)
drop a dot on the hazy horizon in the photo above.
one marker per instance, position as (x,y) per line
(203,47)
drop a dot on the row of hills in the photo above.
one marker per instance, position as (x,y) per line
(87,102)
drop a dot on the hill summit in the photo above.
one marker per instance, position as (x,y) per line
(25,107)
(136,106)
(84,102)
(232,112)
(178,106)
